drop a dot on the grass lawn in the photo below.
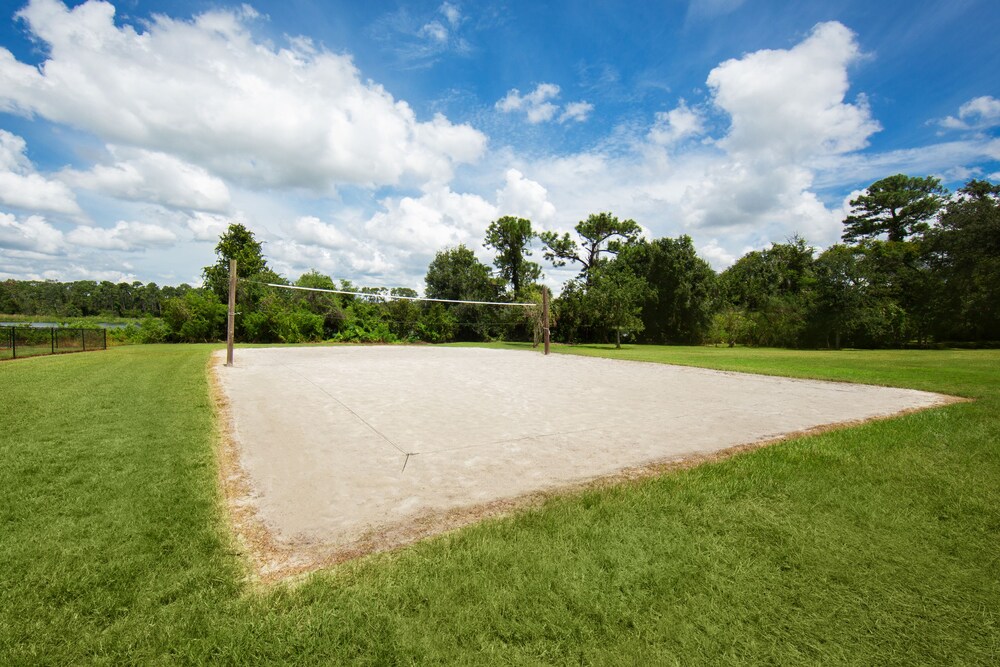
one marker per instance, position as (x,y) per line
(878,544)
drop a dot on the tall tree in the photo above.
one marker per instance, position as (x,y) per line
(238,243)
(678,309)
(898,206)
(841,294)
(600,233)
(511,238)
(772,286)
(965,251)
(616,295)
(258,304)
(456,273)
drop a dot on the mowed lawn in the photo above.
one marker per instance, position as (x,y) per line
(872,545)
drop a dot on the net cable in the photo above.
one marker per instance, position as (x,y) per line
(375,295)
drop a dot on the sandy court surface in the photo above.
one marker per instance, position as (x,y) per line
(339,442)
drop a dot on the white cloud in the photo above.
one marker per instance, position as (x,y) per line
(310,229)
(208,226)
(420,38)
(788,105)
(33,234)
(525,198)
(141,175)
(676,125)
(391,247)
(22,187)
(745,189)
(123,236)
(538,108)
(451,13)
(577,111)
(718,256)
(435,220)
(209,93)
(931,159)
(435,31)
(976,114)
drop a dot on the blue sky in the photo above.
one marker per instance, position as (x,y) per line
(360,138)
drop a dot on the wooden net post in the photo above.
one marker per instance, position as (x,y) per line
(545,317)
(231,324)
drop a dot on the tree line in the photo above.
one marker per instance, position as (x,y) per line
(917,265)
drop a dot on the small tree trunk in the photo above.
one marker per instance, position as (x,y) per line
(618,339)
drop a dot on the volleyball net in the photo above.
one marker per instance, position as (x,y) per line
(279,312)
(378,293)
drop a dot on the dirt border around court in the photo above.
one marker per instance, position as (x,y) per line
(270,562)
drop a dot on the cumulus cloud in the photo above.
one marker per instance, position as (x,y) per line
(33,234)
(123,236)
(149,176)
(208,226)
(211,94)
(525,198)
(788,114)
(22,187)
(392,246)
(539,108)
(676,125)
(788,105)
(310,229)
(437,219)
(718,256)
(977,114)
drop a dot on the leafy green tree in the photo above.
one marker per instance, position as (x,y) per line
(842,295)
(238,243)
(895,280)
(511,238)
(730,325)
(965,254)
(678,308)
(576,321)
(456,273)
(403,315)
(600,233)
(325,304)
(616,295)
(773,288)
(8,300)
(898,206)
(437,324)
(197,317)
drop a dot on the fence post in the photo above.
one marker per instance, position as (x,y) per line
(105,339)
(52,334)
(545,316)
(83,339)
(231,322)
(13,342)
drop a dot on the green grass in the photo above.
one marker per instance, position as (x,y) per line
(878,544)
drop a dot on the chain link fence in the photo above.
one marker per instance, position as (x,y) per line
(18,342)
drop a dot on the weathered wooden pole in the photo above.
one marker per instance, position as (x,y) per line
(545,317)
(231,325)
